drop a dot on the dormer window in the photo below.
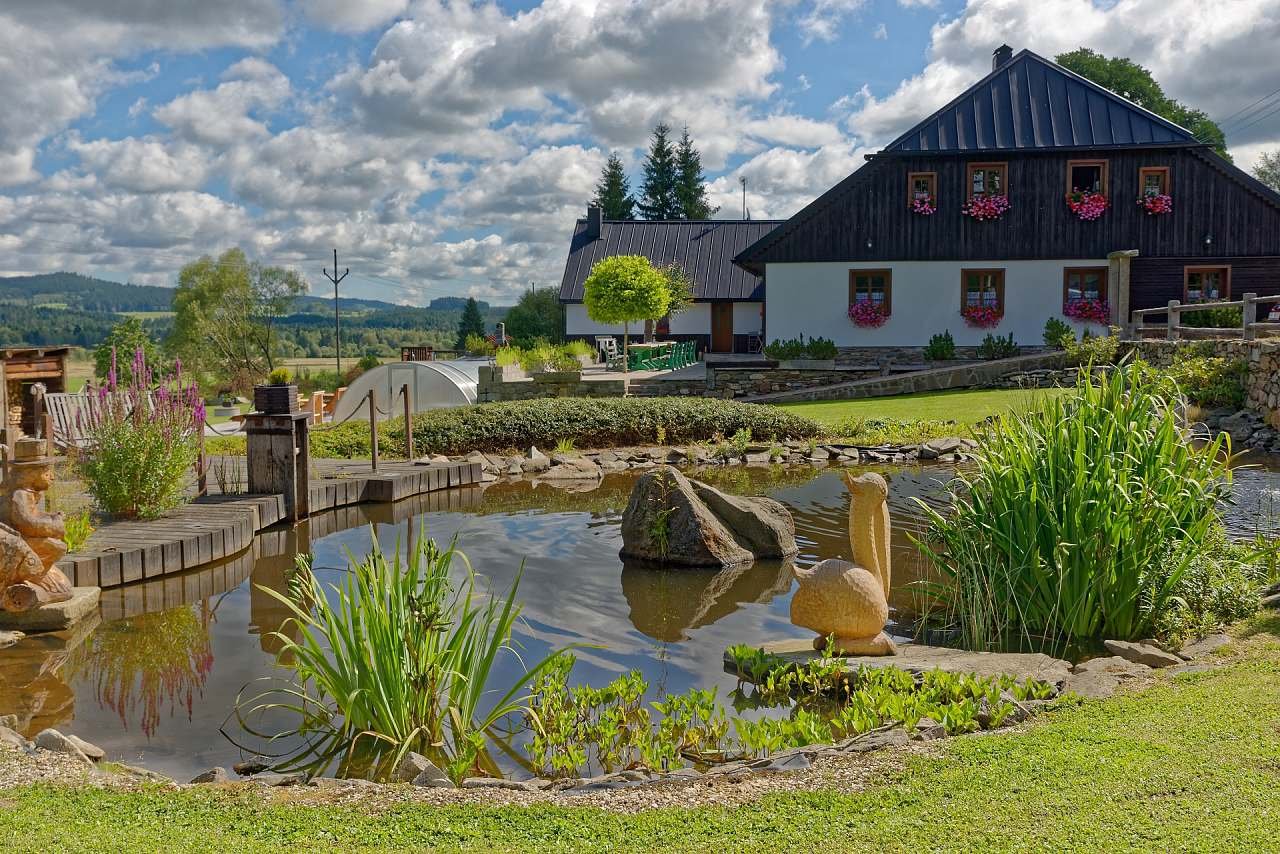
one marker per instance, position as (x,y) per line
(1087,176)
(988,179)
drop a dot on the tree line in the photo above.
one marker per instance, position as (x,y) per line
(673,185)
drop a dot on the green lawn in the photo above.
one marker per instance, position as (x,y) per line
(965,406)
(1190,765)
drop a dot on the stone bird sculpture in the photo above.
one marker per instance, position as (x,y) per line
(849,601)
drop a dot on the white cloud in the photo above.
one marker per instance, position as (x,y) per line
(823,19)
(781,181)
(881,33)
(353,15)
(225,115)
(142,165)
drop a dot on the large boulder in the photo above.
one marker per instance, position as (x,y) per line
(761,525)
(666,522)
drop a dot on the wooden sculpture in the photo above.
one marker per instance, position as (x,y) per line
(31,540)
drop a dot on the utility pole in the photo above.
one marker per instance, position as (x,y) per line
(337,331)
(742,179)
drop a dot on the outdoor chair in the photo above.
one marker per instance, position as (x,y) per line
(607,348)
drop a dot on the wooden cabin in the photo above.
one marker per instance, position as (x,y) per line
(21,369)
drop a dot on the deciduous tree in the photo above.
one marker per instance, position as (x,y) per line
(625,289)
(1268,169)
(538,315)
(125,339)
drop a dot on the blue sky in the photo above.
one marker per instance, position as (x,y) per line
(447,147)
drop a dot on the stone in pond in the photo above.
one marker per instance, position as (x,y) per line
(849,600)
(55,742)
(666,522)
(213,775)
(1142,653)
(761,525)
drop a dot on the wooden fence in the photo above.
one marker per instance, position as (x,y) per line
(1174,330)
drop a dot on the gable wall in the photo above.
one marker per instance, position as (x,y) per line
(1039,224)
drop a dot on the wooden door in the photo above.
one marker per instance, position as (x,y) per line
(722,327)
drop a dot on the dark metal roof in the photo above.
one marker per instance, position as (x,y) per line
(1032,103)
(704,248)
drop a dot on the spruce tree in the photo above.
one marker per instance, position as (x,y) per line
(658,191)
(613,193)
(691,185)
(472,323)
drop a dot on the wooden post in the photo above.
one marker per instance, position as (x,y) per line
(408,424)
(1248,315)
(1174,319)
(202,466)
(373,429)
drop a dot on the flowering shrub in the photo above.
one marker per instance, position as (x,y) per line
(1157,203)
(1091,310)
(867,313)
(982,316)
(1087,205)
(986,208)
(142,440)
(925,206)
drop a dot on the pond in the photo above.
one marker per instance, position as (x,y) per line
(157,687)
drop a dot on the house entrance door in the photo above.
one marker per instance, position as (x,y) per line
(722,327)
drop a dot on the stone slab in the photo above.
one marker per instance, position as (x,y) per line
(54,617)
(920,658)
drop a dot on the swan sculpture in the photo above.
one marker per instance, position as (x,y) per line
(849,601)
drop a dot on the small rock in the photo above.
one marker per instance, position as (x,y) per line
(274,780)
(432,777)
(93,751)
(213,775)
(411,765)
(868,742)
(534,454)
(55,742)
(1142,653)
(796,761)
(927,729)
(1272,601)
(1020,712)
(12,738)
(249,767)
(142,773)
(8,639)
(498,783)
(1205,646)
(11,721)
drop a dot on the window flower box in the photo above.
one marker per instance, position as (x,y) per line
(867,314)
(1087,205)
(924,206)
(986,207)
(981,316)
(1156,204)
(1088,310)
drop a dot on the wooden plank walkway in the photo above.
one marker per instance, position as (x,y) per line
(218,527)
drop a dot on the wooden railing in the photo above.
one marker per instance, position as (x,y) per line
(1173,328)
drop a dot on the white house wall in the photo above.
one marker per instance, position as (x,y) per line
(695,321)
(812,299)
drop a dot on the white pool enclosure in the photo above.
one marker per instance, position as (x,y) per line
(432,385)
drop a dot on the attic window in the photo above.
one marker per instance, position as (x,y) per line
(1087,176)
(988,179)
(921,186)
(1153,181)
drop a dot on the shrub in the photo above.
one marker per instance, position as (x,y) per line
(941,347)
(1092,349)
(1219,586)
(79,527)
(579,348)
(477,345)
(1079,520)
(368,362)
(142,441)
(997,347)
(1211,380)
(797,348)
(506,356)
(280,376)
(1214,318)
(822,348)
(399,656)
(1056,333)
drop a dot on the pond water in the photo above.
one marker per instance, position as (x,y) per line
(154,683)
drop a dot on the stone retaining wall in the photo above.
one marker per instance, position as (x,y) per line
(493,385)
(1262,383)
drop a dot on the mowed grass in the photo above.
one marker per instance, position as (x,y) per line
(1192,764)
(964,406)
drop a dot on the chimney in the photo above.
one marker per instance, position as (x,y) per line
(594,219)
(1001,57)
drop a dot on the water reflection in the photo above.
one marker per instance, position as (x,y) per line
(155,682)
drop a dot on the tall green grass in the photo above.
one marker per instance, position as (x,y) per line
(1056,536)
(395,658)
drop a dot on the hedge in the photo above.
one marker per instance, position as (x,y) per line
(589,422)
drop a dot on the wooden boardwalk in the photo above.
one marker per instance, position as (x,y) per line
(214,528)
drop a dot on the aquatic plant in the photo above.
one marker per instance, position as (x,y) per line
(396,658)
(78,528)
(1058,534)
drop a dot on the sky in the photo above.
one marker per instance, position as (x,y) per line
(446,148)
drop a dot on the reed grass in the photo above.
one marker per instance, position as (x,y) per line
(1057,534)
(399,658)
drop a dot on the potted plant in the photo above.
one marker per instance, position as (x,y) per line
(279,396)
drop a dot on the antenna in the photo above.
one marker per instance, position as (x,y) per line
(337,331)
(742,179)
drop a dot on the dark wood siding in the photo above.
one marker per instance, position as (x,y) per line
(870,206)
(1155,281)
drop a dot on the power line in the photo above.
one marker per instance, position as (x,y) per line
(1260,118)
(1228,120)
